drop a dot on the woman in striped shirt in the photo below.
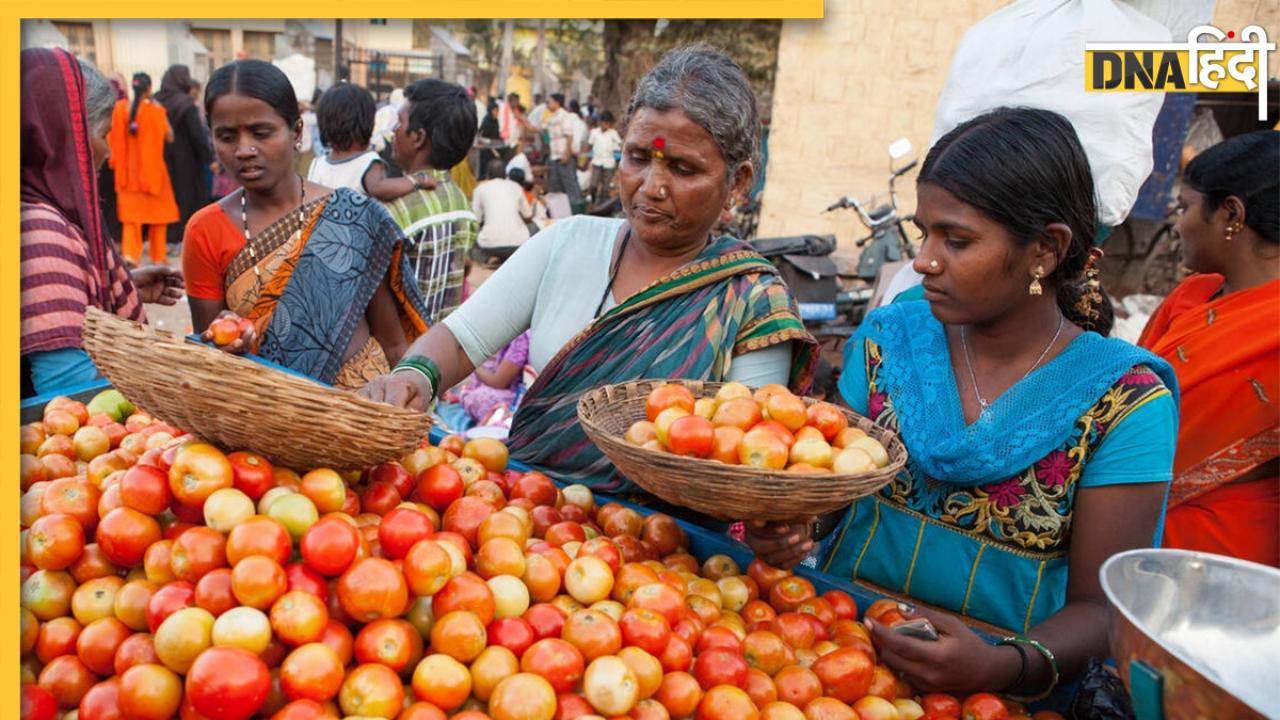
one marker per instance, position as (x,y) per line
(68,260)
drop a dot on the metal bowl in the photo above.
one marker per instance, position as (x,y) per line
(1195,635)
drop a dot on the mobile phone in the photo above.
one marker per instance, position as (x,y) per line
(920,628)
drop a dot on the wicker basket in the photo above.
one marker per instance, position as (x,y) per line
(728,492)
(239,404)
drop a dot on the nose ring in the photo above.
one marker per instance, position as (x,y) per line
(662,192)
(933,264)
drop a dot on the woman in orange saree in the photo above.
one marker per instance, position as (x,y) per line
(1220,329)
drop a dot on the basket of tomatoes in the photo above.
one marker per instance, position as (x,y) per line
(237,403)
(727,451)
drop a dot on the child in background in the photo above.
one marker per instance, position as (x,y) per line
(606,148)
(489,396)
(345,116)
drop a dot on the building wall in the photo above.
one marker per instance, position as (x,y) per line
(865,75)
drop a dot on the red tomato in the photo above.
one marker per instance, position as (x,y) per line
(394,643)
(842,604)
(259,535)
(983,706)
(546,620)
(339,639)
(102,702)
(394,474)
(373,588)
(54,542)
(438,486)
(97,644)
(464,517)
(306,710)
(57,638)
(251,473)
(789,593)
(536,487)
(125,535)
(330,546)
(228,683)
(846,673)
(146,489)
(168,600)
(558,662)
(137,649)
(645,629)
(68,679)
(677,656)
(666,396)
(312,672)
(691,435)
(198,470)
(401,528)
(258,581)
(197,551)
(720,666)
(305,579)
(514,634)
(37,703)
(380,498)
(215,591)
(299,618)
(940,704)
(371,690)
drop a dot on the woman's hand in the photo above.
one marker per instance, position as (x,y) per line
(406,389)
(958,662)
(780,544)
(231,333)
(158,284)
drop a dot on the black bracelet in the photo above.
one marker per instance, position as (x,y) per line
(1022,671)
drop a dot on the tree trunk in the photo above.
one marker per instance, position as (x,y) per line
(540,60)
(504,71)
(630,51)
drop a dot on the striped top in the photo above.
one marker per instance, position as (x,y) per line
(59,281)
(440,229)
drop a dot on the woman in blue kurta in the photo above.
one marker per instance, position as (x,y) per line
(1038,446)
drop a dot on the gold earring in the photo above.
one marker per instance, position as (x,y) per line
(1034,288)
(1232,229)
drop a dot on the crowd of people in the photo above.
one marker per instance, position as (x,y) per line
(1038,446)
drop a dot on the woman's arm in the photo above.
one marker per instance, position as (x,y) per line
(204,312)
(384,323)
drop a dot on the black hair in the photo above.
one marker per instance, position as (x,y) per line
(513,96)
(558,97)
(606,116)
(516,175)
(256,79)
(494,169)
(1026,169)
(141,84)
(345,116)
(1243,167)
(574,107)
(447,115)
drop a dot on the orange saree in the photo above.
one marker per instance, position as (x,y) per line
(1226,351)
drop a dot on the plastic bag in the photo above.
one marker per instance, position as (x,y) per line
(1101,696)
(1031,54)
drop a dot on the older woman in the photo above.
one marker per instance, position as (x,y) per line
(1218,330)
(68,261)
(651,295)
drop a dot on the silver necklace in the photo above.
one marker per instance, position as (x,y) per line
(973,379)
(244,221)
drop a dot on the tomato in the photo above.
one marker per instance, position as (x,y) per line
(546,620)
(57,638)
(198,470)
(719,636)
(74,497)
(394,643)
(763,448)
(312,710)
(679,693)
(826,708)
(438,486)
(661,598)
(610,685)
(678,655)
(257,581)
(373,588)
(259,535)
(299,617)
(214,592)
(720,666)
(168,600)
(691,435)
(137,649)
(401,528)
(371,690)
(523,696)
(789,593)
(513,633)
(536,487)
(983,706)
(330,546)
(251,473)
(312,672)
(726,702)
(459,634)
(37,703)
(490,452)
(556,660)
(338,638)
(197,551)
(68,679)
(667,396)
(442,681)
(157,561)
(760,688)
(427,567)
(97,644)
(55,541)
(102,702)
(846,673)
(228,683)
(126,534)
(593,633)
(93,563)
(325,488)
(304,579)
(766,651)
(182,637)
(645,629)
(467,591)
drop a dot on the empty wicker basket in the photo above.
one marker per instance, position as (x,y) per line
(730,492)
(239,404)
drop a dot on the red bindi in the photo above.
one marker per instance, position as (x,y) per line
(660,143)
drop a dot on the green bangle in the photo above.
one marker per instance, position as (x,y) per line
(1018,641)
(424,366)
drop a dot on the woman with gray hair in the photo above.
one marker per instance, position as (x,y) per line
(652,295)
(68,260)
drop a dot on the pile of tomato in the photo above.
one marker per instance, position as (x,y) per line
(162,578)
(769,428)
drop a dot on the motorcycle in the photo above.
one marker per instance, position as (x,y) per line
(888,240)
